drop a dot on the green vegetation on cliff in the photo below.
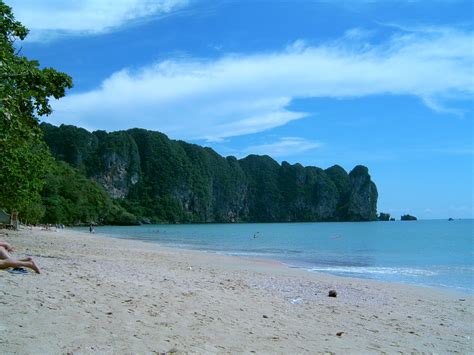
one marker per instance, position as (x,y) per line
(71,198)
(162,180)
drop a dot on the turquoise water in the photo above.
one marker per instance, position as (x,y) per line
(432,253)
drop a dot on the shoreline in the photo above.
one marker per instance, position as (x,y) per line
(112,295)
(293,264)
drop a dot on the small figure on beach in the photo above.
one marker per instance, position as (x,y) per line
(91,229)
(7,261)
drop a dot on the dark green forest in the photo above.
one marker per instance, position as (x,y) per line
(140,176)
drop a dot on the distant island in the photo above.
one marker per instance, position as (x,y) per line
(140,176)
(382,216)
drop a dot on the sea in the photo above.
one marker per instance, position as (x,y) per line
(436,253)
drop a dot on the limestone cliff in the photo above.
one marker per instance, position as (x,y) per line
(118,163)
(164,180)
(363,196)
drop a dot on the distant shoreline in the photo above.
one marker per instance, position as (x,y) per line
(181,237)
(280,222)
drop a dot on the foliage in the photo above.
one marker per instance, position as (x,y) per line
(264,195)
(163,180)
(407,217)
(71,198)
(25,90)
(72,144)
(363,196)
(384,216)
(22,177)
(343,184)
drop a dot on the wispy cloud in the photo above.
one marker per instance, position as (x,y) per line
(48,19)
(284,147)
(241,94)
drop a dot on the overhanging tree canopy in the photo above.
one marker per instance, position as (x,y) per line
(25,91)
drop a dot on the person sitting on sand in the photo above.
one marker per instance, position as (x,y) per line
(6,260)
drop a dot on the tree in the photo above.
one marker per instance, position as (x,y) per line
(25,90)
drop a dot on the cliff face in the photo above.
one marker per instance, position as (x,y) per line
(174,181)
(363,196)
(118,163)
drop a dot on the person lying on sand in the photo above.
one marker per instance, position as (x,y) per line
(7,246)
(6,260)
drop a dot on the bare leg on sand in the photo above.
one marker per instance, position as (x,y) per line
(8,263)
(6,260)
(4,255)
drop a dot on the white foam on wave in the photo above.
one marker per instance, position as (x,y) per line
(375,270)
(246,253)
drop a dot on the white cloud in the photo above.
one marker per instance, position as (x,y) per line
(241,94)
(48,19)
(284,147)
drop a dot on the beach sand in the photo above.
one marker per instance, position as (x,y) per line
(112,296)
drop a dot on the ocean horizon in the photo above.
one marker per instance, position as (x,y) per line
(434,253)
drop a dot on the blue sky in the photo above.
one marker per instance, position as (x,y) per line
(387,84)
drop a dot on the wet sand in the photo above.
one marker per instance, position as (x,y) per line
(104,295)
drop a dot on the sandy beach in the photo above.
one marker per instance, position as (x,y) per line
(111,296)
